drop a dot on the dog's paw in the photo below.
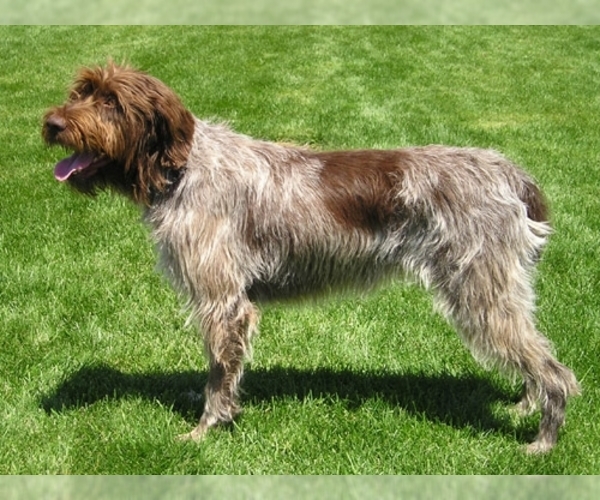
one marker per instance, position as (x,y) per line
(539,447)
(196,435)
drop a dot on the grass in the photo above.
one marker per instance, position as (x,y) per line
(325,487)
(95,363)
(299,12)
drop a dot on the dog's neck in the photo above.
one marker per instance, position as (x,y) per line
(173,177)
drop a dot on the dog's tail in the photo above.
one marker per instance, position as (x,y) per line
(538,216)
(535,201)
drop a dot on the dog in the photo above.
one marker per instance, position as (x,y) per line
(238,222)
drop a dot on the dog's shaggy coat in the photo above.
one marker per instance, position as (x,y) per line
(238,221)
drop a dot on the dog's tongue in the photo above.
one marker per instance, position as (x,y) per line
(74,163)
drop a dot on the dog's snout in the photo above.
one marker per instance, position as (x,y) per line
(56,122)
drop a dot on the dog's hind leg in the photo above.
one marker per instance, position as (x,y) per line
(514,344)
(493,310)
(228,328)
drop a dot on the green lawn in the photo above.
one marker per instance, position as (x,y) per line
(299,12)
(312,488)
(95,363)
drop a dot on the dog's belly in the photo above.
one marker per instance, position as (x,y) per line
(316,275)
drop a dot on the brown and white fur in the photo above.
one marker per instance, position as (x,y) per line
(239,221)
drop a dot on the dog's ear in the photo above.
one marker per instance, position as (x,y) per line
(173,126)
(160,130)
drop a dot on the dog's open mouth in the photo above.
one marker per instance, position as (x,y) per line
(77,163)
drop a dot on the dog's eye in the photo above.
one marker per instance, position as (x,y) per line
(81,92)
(109,102)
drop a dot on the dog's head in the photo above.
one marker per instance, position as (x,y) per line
(127,130)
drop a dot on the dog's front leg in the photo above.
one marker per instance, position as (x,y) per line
(228,328)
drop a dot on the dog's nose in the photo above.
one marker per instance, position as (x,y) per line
(56,122)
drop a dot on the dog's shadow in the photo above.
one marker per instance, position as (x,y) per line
(460,402)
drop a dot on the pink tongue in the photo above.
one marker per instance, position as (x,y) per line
(73,163)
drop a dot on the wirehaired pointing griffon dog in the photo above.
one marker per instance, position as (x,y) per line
(239,221)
